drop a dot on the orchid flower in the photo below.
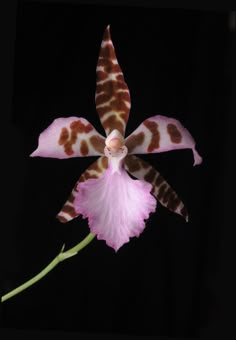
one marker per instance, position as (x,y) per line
(115,204)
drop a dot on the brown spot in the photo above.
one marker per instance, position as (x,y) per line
(149,177)
(111,86)
(145,165)
(71,198)
(62,219)
(95,167)
(161,191)
(107,52)
(107,63)
(84,150)
(104,162)
(81,179)
(63,136)
(79,127)
(120,77)
(69,210)
(112,123)
(155,135)
(101,75)
(132,164)
(68,148)
(76,127)
(87,175)
(174,134)
(134,140)
(167,195)
(159,180)
(98,143)
(173,202)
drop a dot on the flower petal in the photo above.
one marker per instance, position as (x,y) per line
(160,134)
(69,137)
(115,205)
(112,93)
(95,170)
(160,188)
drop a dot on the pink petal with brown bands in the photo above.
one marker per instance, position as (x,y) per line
(112,94)
(160,134)
(160,188)
(95,170)
(69,137)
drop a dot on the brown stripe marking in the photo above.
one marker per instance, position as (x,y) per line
(159,180)
(98,143)
(135,140)
(112,123)
(174,133)
(149,177)
(68,209)
(173,202)
(64,136)
(155,135)
(104,162)
(62,219)
(80,127)
(161,191)
(132,164)
(84,150)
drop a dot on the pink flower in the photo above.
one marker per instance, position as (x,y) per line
(115,204)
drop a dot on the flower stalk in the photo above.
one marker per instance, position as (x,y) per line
(59,258)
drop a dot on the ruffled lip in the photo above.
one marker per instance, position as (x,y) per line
(116,206)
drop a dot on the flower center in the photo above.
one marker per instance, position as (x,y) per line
(115,144)
(115,150)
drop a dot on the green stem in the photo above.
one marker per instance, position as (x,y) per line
(59,258)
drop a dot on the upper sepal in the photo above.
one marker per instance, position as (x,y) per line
(112,94)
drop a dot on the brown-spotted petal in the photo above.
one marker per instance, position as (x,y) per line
(160,188)
(69,137)
(112,94)
(160,134)
(95,170)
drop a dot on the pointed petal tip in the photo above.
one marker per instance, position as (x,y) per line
(197,158)
(33,154)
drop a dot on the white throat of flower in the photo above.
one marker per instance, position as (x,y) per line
(115,150)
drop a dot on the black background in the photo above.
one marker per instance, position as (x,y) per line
(167,282)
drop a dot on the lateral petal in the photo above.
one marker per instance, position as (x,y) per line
(112,94)
(160,188)
(69,137)
(160,134)
(95,170)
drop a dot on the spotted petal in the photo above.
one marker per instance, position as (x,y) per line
(159,134)
(95,170)
(140,169)
(69,137)
(115,205)
(112,94)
